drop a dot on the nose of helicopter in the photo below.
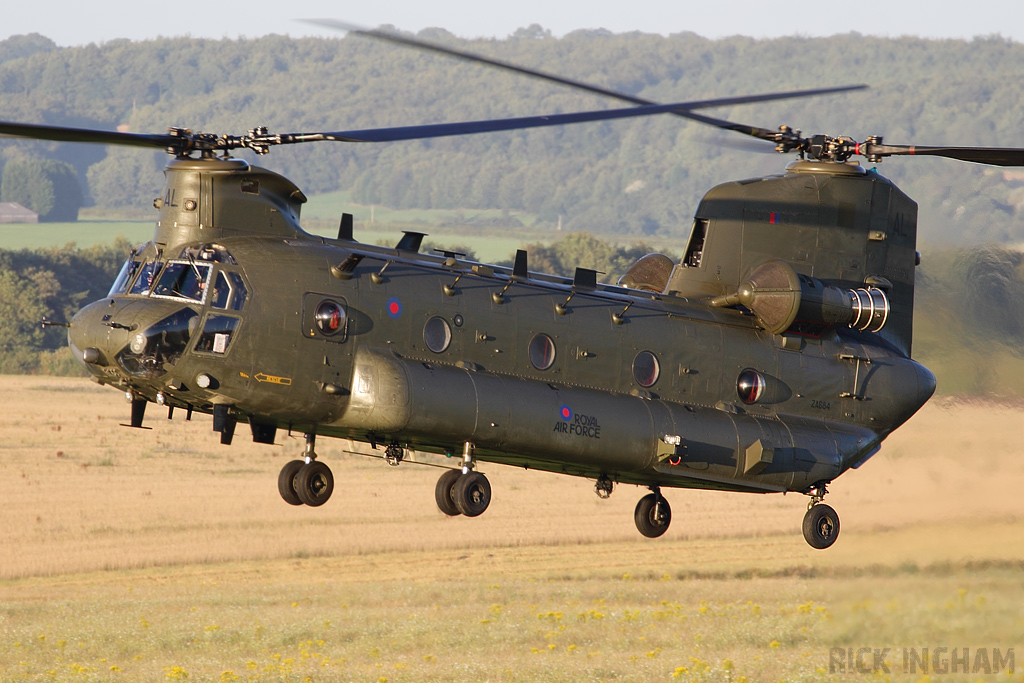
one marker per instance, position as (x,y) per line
(100,330)
(92,339)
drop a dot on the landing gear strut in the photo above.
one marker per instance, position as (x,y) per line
(394,454)
(307,481)
(463,492)
(653,514)
(821,523)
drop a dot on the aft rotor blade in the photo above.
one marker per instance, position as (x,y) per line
(995,156)
(579,85)
(103,137)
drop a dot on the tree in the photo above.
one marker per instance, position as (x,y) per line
(50,188)
(19,47)
(126,178)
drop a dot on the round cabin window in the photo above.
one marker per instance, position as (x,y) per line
(646,369)
(437,334)
(750,386)
(542,352)
(330,318)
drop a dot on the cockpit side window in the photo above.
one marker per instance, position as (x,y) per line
(183,280)
(221,292)
(217,333)
(238,292)
(229,291)
(124,277)
(144,283)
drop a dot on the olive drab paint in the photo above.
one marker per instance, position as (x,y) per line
(390,346)
(774,356)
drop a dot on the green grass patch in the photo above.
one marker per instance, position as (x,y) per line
(289,620)
(83,233)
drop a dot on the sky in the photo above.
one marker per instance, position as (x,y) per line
(74,22)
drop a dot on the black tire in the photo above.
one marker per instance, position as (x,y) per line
(653,515)
(821,526)
(314,483)
(286,482)
(472,494)
(444,495)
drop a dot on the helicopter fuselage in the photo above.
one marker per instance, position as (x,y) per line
(595,381)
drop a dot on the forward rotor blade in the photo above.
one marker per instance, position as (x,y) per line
(260,140)
(579,85)
(994,156)
(103,137)
(488,126)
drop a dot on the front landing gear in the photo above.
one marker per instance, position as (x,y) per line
(466,494)
(653,514)
(821,523)
(308,481)
(463,492)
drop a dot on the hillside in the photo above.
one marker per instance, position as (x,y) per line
(640,178)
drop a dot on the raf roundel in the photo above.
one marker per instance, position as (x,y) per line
(394,307)
(565,412)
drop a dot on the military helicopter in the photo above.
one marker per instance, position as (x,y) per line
(774,356)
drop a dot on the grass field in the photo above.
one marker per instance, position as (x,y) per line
(488,232)
(160,555)
(493,244)
(83,233)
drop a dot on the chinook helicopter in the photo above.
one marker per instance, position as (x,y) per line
(774,356)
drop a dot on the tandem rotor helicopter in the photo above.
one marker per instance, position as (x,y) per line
(774,356)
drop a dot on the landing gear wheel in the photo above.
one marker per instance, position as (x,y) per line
(314,483)
(472,494)
(653,515)
(444,495)
(821,526)
(286,482)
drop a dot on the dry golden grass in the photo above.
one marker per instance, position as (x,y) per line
(137,555)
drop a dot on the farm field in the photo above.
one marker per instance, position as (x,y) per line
(161,555)
(468,228)
(83,233)
(492,245)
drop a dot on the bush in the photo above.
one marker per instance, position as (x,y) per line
(48,187)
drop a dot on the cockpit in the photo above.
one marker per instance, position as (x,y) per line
(187,278)
(201,277)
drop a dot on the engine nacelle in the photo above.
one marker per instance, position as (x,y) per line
(780,297)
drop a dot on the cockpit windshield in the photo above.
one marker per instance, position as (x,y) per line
(147,274)
(198,275)
(183,280)
(124,277)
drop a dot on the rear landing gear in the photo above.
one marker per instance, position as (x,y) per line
(653,514)
(308,481)
(821,523)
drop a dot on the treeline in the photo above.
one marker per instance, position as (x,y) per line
(49,284)
(640,178)
(969,317)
